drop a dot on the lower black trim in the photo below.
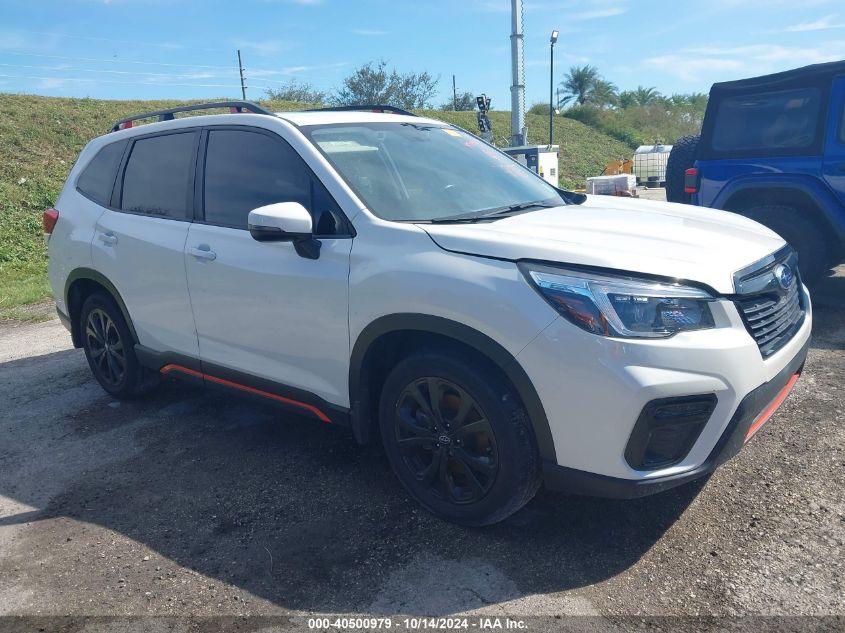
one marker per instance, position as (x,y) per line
(211,375)
(65,319)
(95,276)
(733,438)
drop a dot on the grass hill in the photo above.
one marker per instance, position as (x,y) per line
(40,138)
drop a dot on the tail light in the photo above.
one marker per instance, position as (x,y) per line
(691,180)
(48,220)
(125,125)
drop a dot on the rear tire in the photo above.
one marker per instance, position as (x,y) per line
(804,235)
(681,158)
(458,438)
(110,351)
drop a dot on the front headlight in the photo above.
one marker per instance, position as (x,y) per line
(621,306)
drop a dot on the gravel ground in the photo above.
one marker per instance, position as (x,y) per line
(192,503)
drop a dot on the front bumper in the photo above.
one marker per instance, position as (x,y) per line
(753,411)
(593,390)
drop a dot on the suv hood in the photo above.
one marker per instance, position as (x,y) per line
(640,236)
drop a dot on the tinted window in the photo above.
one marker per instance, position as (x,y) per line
(97,179)
(773,121)
(245,170)
(158,176)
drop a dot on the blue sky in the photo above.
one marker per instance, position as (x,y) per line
(186,48)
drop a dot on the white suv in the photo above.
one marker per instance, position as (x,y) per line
(399,276)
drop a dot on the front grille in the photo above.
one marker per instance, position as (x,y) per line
(771,312)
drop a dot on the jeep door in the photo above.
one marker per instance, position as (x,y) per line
(260,308)
(139,241)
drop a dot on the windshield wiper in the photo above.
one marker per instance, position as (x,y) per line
(495,212)
(516,208)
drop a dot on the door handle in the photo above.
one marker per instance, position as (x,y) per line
(203,251)
(109,239)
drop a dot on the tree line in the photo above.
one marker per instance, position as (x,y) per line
(639,116)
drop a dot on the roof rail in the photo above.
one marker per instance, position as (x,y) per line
(364,108)
(167,115)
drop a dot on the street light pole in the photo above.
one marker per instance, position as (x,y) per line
(552,41)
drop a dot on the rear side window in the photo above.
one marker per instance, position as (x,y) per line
(781,121)
(97,180)
(158,176)
(245,170)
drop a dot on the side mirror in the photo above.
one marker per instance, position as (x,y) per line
(280,222)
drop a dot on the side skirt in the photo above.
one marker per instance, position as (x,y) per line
(211,375)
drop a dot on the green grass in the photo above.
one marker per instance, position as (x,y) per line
(40,138)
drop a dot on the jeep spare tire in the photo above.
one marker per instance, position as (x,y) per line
(681,158)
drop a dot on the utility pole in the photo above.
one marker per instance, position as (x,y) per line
(518,132)
(454,94)
(552,41)
(241,71)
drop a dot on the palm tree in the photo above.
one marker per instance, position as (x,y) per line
(603,93)
(646,96)
(578,84)
(626,99)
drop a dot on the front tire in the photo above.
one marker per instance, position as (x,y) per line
(804,235)
(458,438)
(109,349)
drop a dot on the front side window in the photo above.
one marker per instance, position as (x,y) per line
(246,170)
(97,179)
(782,120)
(157,179)
(427,172)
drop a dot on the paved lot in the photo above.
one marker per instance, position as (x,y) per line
(192,503)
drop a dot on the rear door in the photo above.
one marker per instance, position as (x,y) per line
(261,309)
(834,159)
(139,241)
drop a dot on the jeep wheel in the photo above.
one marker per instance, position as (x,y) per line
(458,438)
(681,158)
(801,232)
(109,348)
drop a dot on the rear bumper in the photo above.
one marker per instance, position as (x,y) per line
(753,411)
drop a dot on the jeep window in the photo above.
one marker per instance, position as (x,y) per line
(426,172)
(97,180)
(158,176)
(245,170)
(783,120)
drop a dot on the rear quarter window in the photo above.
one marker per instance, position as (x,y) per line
(781,121)
(97,179)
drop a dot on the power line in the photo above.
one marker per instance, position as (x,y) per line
(129,83)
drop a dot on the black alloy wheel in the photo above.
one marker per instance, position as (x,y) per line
(106,347)
(446,440)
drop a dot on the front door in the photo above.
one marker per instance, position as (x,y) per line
(260,308)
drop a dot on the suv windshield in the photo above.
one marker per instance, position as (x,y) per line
(424,172)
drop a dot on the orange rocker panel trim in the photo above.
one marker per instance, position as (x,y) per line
(257,392)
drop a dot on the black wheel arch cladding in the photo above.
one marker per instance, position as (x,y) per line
(462,334)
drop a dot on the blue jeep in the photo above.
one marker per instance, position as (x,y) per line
(773,148)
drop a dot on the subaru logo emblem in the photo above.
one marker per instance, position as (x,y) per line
(444,439)
(784,275)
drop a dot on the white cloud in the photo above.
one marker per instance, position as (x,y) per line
(827,22)
(726,62)
(263,47)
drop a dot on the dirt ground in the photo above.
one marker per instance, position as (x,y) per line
(201,504)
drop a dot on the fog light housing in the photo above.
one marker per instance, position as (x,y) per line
(667,429)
